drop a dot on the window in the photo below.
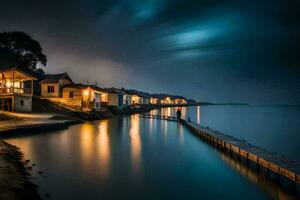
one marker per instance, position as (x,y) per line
(104,97)
(71,94)
(50,89)
(22,103)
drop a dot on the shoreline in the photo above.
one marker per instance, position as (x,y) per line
(15,179)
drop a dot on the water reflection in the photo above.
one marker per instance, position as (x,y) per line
(135,143)
(180,134)
(253,176)
(169,111)
(103,144)
(87,131)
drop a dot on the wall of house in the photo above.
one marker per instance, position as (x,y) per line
(44,90)
(126,99)
(113,99)
(141,100)
(22,103)
(145,101)
(97,103)
(76,100)
(61,83)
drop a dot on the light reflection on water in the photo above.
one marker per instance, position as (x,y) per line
(136,158)
(273,189)
(135,141)
(104,151)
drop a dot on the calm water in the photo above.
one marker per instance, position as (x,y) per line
(137,158)
(274,128)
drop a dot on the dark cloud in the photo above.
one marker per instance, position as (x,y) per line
(244,51)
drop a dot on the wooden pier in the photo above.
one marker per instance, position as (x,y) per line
(278,164)
(160,117)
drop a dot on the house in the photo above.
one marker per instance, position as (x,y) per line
(153,100)
(168,100)
(86,97)
(180,101)
(115,97)
(60,88)
(118,97)
(16,89)
(127,99)
(51,85)
(137,97)
(145,98)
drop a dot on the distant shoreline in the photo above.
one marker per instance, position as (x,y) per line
(246,104)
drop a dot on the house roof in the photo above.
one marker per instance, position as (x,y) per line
(163,96)
(76,85)
(54,78)
(83,86)
(115,90)
(138,93)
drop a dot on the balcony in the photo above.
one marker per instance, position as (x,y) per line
(15,90)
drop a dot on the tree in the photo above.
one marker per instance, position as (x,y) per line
(23,50)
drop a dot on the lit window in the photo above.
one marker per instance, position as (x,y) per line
(104,98)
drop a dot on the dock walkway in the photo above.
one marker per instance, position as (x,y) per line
(271,161)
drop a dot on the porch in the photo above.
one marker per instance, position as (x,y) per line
(16,90)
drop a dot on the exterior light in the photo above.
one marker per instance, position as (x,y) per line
(86,92)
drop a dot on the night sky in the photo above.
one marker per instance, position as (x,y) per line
(218,51)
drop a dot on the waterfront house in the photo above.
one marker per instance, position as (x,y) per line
(137,97)
(153,100)
(145,98)
(127,99)
(51,85)
(115,97)
(118,97)
(167,100)
(180,101)
(16,89)
(84,97)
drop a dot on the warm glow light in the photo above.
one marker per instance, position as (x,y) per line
(86,92)
(135,140)
(87,131)
(103,145)
(8,84)
(104,97)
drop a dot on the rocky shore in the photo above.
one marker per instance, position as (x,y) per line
(14,179)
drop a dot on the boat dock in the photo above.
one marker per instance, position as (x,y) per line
(278,164)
